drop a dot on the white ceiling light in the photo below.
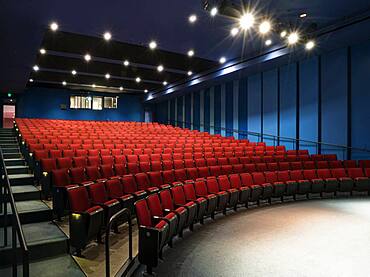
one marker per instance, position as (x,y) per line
(107,76)
(191,53)
(214,11)
(74,72)
(192,18)
(190,73)
(93,85)
(107,36)
(138,79)
(126,63)
(36,68)
(265,27)
(283,34)
(268,42)
(293,38)
(310,44)
(234,31)
(152,45)
(42,51)
(64,83)
(146,91)
(165,83)
(120,88)
(54,26)
(160,68)
(31,80)
(246,21)
(87,57)
(302,15)
(222,60)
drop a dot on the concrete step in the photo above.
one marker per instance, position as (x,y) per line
(12,155)
(14,161)
(24,193)
(44,239)
(58,266)
(8,145)
(29,211)
(21,179)
(17,169)
(11,150)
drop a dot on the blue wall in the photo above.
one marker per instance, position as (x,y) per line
(323,97)
(45,103)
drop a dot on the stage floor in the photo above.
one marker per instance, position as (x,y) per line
(328,237)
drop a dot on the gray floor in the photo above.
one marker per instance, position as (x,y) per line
(305,238)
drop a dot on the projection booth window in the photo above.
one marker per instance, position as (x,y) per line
(97,103)
(110,102)
(80,102)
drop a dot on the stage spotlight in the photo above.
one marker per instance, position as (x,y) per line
(214,11)
(160,68)
(283,34)
(87,57)
(36,68)
(192,18)
(265,27)
(138,79)
(234,32)
(268,42)
(191,53)
(54,26)
(222,60)
(126,63)
(310,45)
(152,45)
(107,36)
(293,38)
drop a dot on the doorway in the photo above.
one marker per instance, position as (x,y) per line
(8,116)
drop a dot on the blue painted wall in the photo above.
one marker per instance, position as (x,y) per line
(45,103)
(323,97)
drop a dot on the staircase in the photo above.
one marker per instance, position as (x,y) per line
(48,245)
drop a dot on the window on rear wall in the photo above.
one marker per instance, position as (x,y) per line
(80,102)
(97,103)
(110,102)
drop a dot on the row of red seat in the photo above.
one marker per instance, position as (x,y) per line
(231,164)
(152,181)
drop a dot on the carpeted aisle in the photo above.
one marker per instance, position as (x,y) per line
(306,238)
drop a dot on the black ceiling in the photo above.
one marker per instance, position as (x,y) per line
(65,52)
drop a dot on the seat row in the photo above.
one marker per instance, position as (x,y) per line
(152,181)
(162,216)
(202,167)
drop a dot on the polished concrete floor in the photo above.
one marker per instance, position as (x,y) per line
(306,238)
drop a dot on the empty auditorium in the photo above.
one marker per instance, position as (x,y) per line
(196,138)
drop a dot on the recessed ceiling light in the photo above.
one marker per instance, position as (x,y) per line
(36,68)
(234,31)
(222,60)
(310,44)
(107,36)
(293,38)
(74,72)
(31,80)
(302,15)
(93,85)
(146,91)
(265,27)
(64,83)
(160,68)
(246,21)
(192,18)
(214,11)
(54,26)
(42,51)
(87,57)
(126,63)
(190,73)
(191,53)
(268,42)
(107,76)
(152,45)
(165,83)
(120,88)
(283,34)
(138,79)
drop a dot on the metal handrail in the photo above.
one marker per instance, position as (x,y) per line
(17,230)
(261,136)
(112,220)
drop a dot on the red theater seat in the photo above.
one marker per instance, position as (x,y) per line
(345,183)
(77,175)
(201,192)
(304,186)
(180,175)
(278,186)
(99,197)
(143,183)
(259,179)
(244,191)
(361,182)
(224,185)
(179,200)
(85,221)
(222,196)
(256,190)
